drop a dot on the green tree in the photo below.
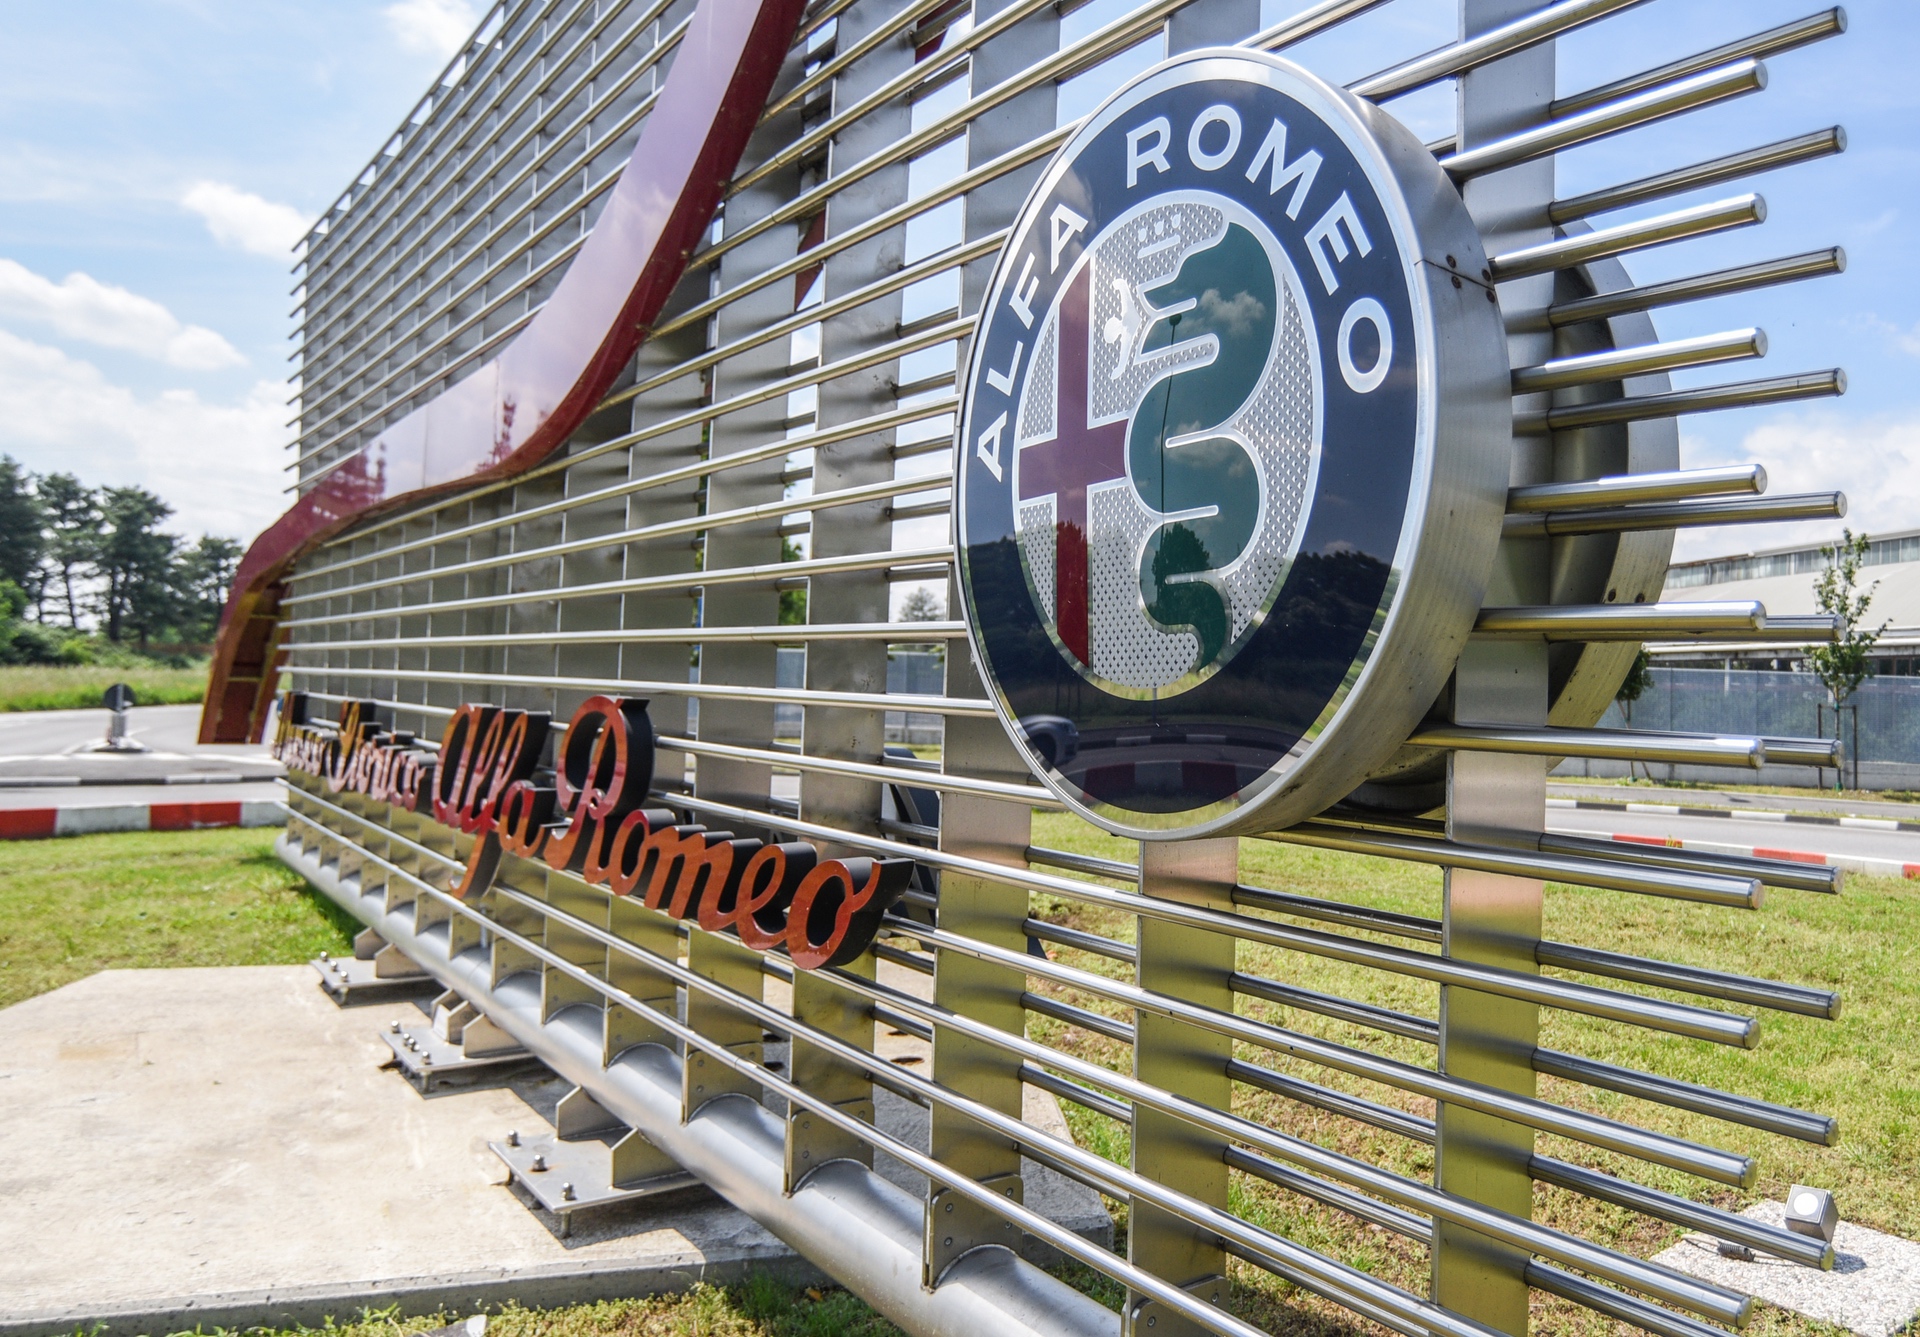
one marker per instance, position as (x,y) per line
(72,516)
(1632,688)
(1843,665)
(22,536)
(793,603)
(135,564)
(203,579)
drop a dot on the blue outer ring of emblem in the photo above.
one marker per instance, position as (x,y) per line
(1194,762)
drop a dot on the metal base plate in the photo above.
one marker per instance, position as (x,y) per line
(429,1062)
(349,981)
(564,1177)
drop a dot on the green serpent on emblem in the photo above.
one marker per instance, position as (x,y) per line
(1210,483)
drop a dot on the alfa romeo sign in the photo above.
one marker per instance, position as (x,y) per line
(1234,441)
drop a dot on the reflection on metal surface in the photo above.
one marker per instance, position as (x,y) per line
(831,227)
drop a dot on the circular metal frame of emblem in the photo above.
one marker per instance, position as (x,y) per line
(1214,575)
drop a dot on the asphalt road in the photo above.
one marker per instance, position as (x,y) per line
(48,753)
(1856,840)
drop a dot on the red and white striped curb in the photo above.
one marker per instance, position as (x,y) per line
(82,820)
(1742,814)
(1850,863)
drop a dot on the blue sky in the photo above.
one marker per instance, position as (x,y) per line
(157,157)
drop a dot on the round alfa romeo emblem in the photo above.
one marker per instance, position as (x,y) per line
(1234,444)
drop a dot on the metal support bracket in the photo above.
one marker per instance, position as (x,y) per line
(812,1142)
(348,980)
(1151,1318)
(957,1226)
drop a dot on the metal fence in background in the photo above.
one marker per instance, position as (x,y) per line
(1879,726)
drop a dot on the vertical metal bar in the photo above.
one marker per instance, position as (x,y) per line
(745,783)
(1195,966)
(984,828)
(849,665)
(995,913)
(1487,918)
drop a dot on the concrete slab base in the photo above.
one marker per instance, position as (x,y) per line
(1874,1288)
(220,1147)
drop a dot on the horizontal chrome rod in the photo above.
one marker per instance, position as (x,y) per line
(692,472)
(798,633)
(1713,172)
(1821,1129)
(903,18)
(1796,998)
(1299,1264)
(1707,1162)
(1608,744)
(1347,1106)
(1748,990)
(1337,912)
(1645,622)
(1303,1266)
(1720,283)
(1625,1308)
(1032,795)
(1758,46)
(1709,888)
(1111,38)
(1403,1024)
(1634,1009)
(1621,621)
(1396,1188)
(851,1222)
(1708,399)
(364,226)
(1771,872)
(356,221)
(1581,248)
(1615,364)
(1810,630)
(1627,489)
(1776,1240)
(1680,515)
(904,277)
(767,573)
(330,355)
(1654,105)
(791,696)
(693,524)
(1528,31)
(1608,1188)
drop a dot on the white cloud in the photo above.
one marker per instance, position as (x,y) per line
(82,307)
(434,27)
(218,465)
(1875,461)
(240,218)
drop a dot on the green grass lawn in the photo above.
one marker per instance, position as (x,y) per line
(70,907)
(73,906)
(78,687)
(1864,1068)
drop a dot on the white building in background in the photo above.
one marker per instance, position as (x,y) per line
(1783,580)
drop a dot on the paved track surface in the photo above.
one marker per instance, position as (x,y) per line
(1809,800)
(1846,841)
(54,748)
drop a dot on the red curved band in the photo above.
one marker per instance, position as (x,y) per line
(512,413)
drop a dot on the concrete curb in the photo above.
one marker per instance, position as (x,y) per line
(460,1293)
(82,820)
